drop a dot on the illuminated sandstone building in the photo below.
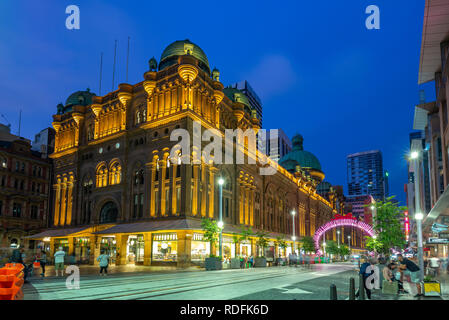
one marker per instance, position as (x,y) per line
(116,187)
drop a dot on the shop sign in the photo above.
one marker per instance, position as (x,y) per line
(437,240)
(165,236)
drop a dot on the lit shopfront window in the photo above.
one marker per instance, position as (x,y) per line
(82,250)
(245,249)
(136,249)
(64,243)
(108,246)
(165,247)
(200,249)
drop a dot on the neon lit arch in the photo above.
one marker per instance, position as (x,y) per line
(340,223)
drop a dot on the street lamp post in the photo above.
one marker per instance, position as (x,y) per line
(294,237)
(220,217)
(349,244)
(418,213)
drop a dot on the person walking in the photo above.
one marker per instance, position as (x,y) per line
(103,258)
(365,274)
(410,268)
(43,261)
(59,261)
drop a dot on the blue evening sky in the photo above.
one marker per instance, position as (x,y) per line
(318,70)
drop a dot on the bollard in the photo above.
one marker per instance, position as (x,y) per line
(333,293)
(352,289)
(361,288)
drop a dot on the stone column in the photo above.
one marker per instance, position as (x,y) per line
(186,186)
(212,171)
(69,201)
(57,188)
(203,189)
(92,244)
(71,245)
(147,238)
(122,243)
(184,249)
(63,204)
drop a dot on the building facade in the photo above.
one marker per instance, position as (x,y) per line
(431,119)
(253,98)
(122,185)
(24,192)
(365,174)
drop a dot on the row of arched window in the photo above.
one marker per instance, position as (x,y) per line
(108,175)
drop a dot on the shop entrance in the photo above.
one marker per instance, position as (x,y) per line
(245,249)
(82,250)
(135,249)
(108,245)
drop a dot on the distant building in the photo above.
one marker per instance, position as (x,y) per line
(24,191)
(252,96)
(359,208)
(365,174)
(276,146)
(6,135)
(44,142)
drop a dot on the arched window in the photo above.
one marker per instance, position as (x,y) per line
(138,177)
(115,173)
(108,213)
(102,176)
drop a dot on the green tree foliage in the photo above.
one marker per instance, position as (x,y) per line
(262,241)
(373,244)
(388,226)
(246,233)
(308,245)
(344,250)
(211,232)
(281,243)
(332,247)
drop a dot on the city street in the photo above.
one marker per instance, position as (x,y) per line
(275,283)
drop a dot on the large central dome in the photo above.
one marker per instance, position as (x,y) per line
(183,47)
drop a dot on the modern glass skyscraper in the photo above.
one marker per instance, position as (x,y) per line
(365,174)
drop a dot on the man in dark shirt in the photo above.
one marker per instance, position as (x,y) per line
(413,270)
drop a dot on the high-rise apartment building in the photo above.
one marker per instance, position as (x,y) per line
(365,174)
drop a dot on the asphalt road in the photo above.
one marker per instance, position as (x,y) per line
(275,283)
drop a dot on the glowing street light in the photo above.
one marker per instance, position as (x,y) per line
(220,217)
(294,237)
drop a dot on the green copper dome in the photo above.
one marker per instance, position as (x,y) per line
(83,98)
(298,156)
(182,47)
(238,96)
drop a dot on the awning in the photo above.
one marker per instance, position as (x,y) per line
(57,233)
(148,226)
(440,208)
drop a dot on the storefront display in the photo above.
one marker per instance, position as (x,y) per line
(245,249)
(109,246)
(228,249)
(64,243)
(165,247)
(200,249)
(82,250)
(136,249)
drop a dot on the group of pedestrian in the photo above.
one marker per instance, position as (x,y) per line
(404,271)
(246,262)
(19,256)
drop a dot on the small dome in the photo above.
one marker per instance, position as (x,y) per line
(298,156)
(324,187)
(83,98)
(183,47)
(238,96)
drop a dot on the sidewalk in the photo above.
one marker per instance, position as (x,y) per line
(95,270)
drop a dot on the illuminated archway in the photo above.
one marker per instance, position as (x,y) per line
(341,222)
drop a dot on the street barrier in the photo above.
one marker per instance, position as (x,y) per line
(352,289)
(333,292)
(11,282)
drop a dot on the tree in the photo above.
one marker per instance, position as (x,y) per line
(332,247)
(308,245)
(246,233)
(281,243)
(373,244)
(262,241)
(236,241)
(211,232)
(344,250)
(388,226)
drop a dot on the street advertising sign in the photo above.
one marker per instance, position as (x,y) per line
(437,240)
